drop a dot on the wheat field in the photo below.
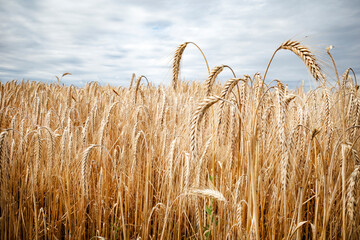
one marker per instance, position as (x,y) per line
(246,159)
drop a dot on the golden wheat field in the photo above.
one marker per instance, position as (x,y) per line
(246,159)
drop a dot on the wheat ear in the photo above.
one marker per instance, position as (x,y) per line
(187,171)
(162,109)
(351,198)
(64,139)
(37,153)
(2,140)
(137,85)
(229,85)
(327,119)
(209,193)
(135,153)
(345,78)
(282,137)
(132,80)
(85,130)
(233,132)
(213,75)
(304,54)
(84,167)
(177,59)
(171,160)
(176,63)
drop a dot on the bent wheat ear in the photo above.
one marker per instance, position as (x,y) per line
(209,193)
(66,74)
(306,56)
(84,168)
(345,78)
(213,75)
(137,85)
(229,85)
(197,116)
(176,63)
(210,80)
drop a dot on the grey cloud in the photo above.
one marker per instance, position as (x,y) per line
(109,40)
(158,25)
(114,55)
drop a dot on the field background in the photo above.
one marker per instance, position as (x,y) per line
(239,160)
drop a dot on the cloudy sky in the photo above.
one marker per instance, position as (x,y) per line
(107,41)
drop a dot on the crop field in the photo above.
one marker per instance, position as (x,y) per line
(245,159)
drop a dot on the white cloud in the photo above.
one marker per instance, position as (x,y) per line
(108,40)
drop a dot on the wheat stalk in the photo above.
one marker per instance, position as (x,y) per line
(266,151)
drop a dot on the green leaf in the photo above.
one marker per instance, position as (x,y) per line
(208,209)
